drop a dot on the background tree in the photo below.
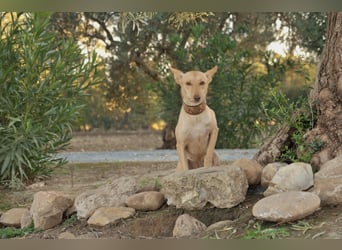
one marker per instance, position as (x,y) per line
(325,101)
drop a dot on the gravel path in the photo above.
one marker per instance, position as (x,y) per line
(148,155)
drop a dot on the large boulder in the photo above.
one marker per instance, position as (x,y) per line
(297,176)
(223,187)
(287,206)
(251,168)
(48,207)
(112,194)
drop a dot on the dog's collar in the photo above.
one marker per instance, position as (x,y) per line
(194,110)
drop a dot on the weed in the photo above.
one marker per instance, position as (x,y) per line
(146,182)
(257,232)
(11,232)
(300,117)
(70,221)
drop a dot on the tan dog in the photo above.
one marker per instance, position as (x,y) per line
(196,130)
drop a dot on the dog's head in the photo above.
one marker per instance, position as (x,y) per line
(194,85)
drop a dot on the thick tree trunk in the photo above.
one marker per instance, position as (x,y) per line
(326,97)
(327,94)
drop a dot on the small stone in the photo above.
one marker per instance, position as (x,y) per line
(329,190)
(269,171)
(107,215)
(297,176)
(146,201)
(252,170)
(48,207)
(287,206)
(12,217)
(26,220)
(187,226)
(66,236)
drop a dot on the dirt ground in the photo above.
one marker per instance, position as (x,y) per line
(76,178)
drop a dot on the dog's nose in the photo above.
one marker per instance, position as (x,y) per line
(197,98)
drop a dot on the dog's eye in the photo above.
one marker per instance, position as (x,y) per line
(188,83)
(202,83)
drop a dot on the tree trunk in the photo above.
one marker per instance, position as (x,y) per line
(326,97)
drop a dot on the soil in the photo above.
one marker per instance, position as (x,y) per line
(76,178)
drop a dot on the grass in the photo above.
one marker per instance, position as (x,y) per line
(259,233)
(11,232)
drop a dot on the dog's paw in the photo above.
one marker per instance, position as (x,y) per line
(208,162)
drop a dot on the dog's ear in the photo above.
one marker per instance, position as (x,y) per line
(210,73)
(177,74)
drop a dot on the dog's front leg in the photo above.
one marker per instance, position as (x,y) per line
(208,159)
(182,160)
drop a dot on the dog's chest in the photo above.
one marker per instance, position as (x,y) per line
(195,126)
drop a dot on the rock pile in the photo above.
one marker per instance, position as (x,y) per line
(292,192)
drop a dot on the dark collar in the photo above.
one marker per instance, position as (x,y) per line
(194,110)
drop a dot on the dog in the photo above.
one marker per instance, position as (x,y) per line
(196,130)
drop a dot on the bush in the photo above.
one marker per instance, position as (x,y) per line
(42,87)
(300,117)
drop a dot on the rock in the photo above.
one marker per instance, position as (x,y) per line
(334,163)
(329,190)
(287,206)
(252,170)
(187,226)
(297,176)
(108,215)
(146,201)
(26,219)
(66,236)
(332,168)
(112,194)
(48,207)
(223,187)
(269,171)
(220,225)
(12,217)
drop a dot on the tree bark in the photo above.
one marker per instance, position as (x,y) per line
(327,95)
(326,98)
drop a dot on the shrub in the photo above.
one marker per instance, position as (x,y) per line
(42,86)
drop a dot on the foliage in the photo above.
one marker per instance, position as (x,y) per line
(301,118)
(257,232)
(11,232)
(307,29)
(42,85)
